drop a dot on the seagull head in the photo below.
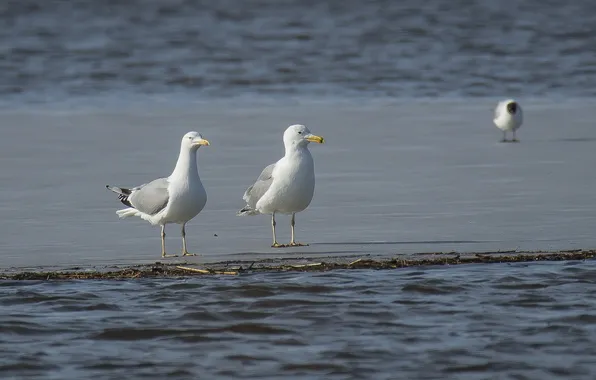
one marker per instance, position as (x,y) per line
(512,107)
(299,135)
(193,141)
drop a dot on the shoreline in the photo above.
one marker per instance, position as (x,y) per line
(181,269)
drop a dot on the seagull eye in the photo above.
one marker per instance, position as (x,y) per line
(299,132)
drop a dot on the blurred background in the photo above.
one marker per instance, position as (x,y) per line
(66,51)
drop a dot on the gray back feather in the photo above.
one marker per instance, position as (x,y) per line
(260,187)
(150,198)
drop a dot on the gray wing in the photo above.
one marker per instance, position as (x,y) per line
(260,187)
(150,198)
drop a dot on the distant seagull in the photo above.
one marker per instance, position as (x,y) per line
(287,186)
(175,199)
(508,117)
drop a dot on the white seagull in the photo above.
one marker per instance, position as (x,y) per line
(175,199)
(287,186)
(508,117)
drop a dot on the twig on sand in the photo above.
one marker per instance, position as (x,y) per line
(231,273)
(204,271)
(194,270)
(305,265)
(354,262)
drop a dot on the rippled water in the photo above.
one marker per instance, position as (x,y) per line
(191,49)
(470,322)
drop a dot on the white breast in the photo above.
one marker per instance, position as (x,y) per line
(185,202)
(293,185)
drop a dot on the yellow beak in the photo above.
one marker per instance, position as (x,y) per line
(315,138)
(201,142)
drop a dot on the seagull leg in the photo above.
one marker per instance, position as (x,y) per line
(184,251)
(163,242)
(275,243)
(293,242)
(514,139)
(504,136)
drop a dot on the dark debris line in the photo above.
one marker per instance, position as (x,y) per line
(174,270)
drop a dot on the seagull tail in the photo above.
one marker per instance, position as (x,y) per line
(127,212)
(247,210)
(123,194)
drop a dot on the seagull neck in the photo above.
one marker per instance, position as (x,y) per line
(187,163)
(295,150)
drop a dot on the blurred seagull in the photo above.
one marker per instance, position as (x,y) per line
(508,117)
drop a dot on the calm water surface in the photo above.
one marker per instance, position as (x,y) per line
(392,178)
(469,322)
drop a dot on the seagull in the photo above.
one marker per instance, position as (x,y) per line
(175,199)
(287,186)
(508,117)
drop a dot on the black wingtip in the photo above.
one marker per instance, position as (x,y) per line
(247,211)
(124,199)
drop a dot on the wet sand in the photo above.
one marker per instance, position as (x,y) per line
(395,178)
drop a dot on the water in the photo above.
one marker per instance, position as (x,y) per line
(470,322)
(100,92)
(73,51)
